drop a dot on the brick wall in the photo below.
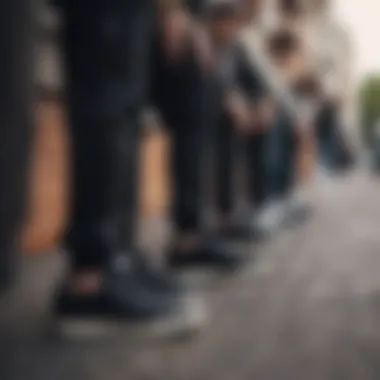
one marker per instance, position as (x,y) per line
(48,195)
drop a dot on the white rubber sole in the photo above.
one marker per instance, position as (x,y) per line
(190,321)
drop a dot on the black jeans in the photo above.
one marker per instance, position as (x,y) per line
(255,146)
(227,145)
(326,125)
(105,49)
(281,154)
(333,151)
(16,120)
(179,92)
(231,151)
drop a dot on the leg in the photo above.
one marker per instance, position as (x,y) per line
(325,134)
(256,175)
(341,152)
(274,158)
(105,91)
(178,92)
(282,156)
(188,116)
(16,132)
(191,248)
(297,208)
(232,226)
(186,165)
(225,166)
(271,215)
(289,158)
(255,154)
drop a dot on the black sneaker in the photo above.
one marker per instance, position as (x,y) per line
(246,232)
(159,279)
(216,255)
(123,300)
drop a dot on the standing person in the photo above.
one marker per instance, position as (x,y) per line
(182,91)
(286,50)
(293,16)
(291,130)
(232,114)
(16,74)
(331,52)
(252,142)
(106,46)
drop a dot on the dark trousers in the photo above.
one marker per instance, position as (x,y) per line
(326,136)
(255,153)
(333,151)
(105,49)
(227,145)
(111,62)
(281,154)
(179,92)
(232,150)
(16,120)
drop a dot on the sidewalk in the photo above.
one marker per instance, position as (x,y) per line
(308,308)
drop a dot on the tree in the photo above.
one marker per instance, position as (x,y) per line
(369,98)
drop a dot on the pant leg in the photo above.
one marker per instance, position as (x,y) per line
(276,156)
(346,156)
(128,208)
(106,46)
(16,42)
(342,157)
(225,165)
(272,158)
(255,154)
(186,177)
(325,136)
(290,159)
(180,93)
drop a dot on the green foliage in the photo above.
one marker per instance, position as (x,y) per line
(369,99)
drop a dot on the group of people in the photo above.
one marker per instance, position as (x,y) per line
(233,81)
